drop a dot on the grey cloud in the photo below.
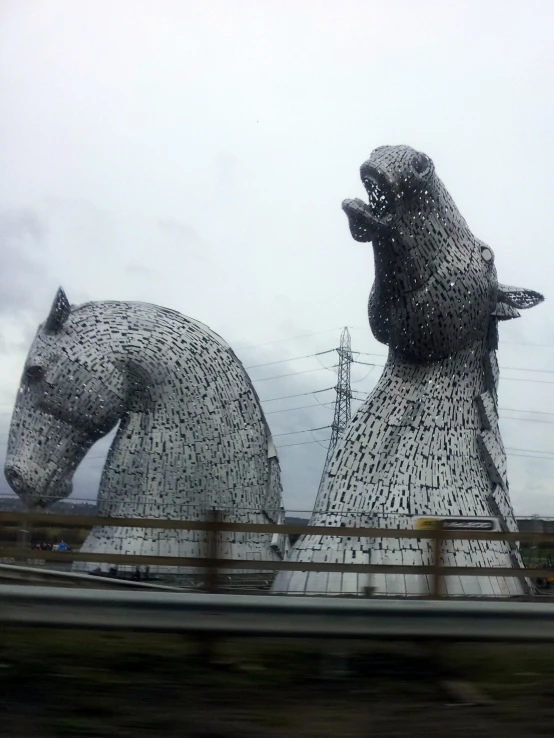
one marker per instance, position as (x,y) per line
(26,323)
(138,270)
(82,216)
(19,224)
(22,244)
(184,238)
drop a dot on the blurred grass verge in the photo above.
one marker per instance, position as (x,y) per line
(83,683)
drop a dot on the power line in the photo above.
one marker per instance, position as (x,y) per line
(529,450)
(531,381)
(366,363)
(501,417)
(296,358)
(275,435)
(302,407)
(503,368)
(301,394)
(307,430)
(307,371)
(520,343)
(521,369)
(328,405)
(288,397)
(302,443)
(514,410)
(365,353)
(512,455)
(324,404)
(527,420)
(293,374)
(530,456)
(528,453)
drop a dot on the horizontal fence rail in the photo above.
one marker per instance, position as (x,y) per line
(257,564)
(89,521)
(214,562)
(247,615)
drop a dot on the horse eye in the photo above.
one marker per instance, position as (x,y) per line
(486,254)
(34,373)
(421,163)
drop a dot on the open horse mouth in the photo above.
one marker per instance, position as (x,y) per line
(369,220)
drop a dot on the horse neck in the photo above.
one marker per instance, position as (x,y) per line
(152,369)
(171,424)
(456,395)
(454,382)
(443,410)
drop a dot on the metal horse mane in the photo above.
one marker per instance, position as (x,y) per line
(426,441)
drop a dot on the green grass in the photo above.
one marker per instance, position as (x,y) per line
(537,554)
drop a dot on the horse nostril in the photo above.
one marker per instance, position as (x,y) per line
(34,372)
(14,478)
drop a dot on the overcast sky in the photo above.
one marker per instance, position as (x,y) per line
(195,155)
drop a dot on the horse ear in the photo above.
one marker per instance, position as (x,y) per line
(503,311)
(59,312)
(518,297)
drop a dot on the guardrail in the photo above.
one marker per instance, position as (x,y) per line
(216,525)
(247,615)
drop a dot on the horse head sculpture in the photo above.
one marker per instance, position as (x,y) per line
(191,432)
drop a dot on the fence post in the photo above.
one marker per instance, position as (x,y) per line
(208,643)
(23,539)
(214,517)
(436,591)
